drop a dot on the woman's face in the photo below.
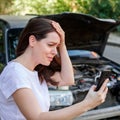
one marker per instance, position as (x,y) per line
(46,49)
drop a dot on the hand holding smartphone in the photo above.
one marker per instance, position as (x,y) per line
(104,75)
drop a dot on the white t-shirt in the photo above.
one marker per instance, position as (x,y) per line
(16,76)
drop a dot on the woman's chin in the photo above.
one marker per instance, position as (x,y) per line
(46,64)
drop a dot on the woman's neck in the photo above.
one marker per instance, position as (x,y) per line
(26,61)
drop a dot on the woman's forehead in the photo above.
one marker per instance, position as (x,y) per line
(53,37)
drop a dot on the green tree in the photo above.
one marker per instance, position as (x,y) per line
(105,8)
(116,7)
(1,67)
(45,6)
(101,8)
(79,6)
(5,6)
(98,8)
(30,7)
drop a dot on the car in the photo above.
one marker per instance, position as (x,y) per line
(86,39)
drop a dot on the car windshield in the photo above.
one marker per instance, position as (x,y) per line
(13,36)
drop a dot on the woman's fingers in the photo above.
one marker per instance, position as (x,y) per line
(104,85)
(93,87)
(95,98)
(57,26)
(59,30)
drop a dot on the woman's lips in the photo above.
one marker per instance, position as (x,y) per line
(50,58)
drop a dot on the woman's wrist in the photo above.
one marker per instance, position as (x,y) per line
(62,44)
(62,47)
(86,105)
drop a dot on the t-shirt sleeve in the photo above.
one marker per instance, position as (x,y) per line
(12,81)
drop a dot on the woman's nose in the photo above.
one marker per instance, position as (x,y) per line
(54,51)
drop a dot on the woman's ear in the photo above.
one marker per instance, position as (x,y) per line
(32,40)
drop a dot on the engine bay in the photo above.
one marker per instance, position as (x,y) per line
(86,75)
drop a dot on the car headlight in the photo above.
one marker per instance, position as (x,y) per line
(61,98)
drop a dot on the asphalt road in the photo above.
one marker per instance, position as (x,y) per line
(112,52)
(112,49)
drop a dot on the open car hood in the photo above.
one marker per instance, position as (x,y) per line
(84,32)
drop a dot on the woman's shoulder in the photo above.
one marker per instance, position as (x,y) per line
(12,69)
(15,70)
(12,78)
(8,71)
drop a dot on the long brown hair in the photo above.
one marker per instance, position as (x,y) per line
(39,27)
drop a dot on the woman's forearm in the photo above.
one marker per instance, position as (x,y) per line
(67,74)
(91,100)
(68,113)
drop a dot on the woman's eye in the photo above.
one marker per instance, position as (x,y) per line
(50,45)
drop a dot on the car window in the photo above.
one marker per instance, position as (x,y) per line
(12,36)
(1,45)
(2,50)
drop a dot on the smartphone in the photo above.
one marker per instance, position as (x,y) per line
(103,76)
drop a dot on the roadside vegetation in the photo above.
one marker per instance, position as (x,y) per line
(98,8)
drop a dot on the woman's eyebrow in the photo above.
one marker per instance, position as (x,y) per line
(56,43)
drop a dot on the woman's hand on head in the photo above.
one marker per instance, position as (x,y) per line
(66,75)
(95,98)
(60,31)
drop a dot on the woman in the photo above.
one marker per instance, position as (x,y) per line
(23,82)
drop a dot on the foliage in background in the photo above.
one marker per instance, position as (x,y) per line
(23,7)
(98,8)
(1,67)
(102,8)
(5,6)
(105,8)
